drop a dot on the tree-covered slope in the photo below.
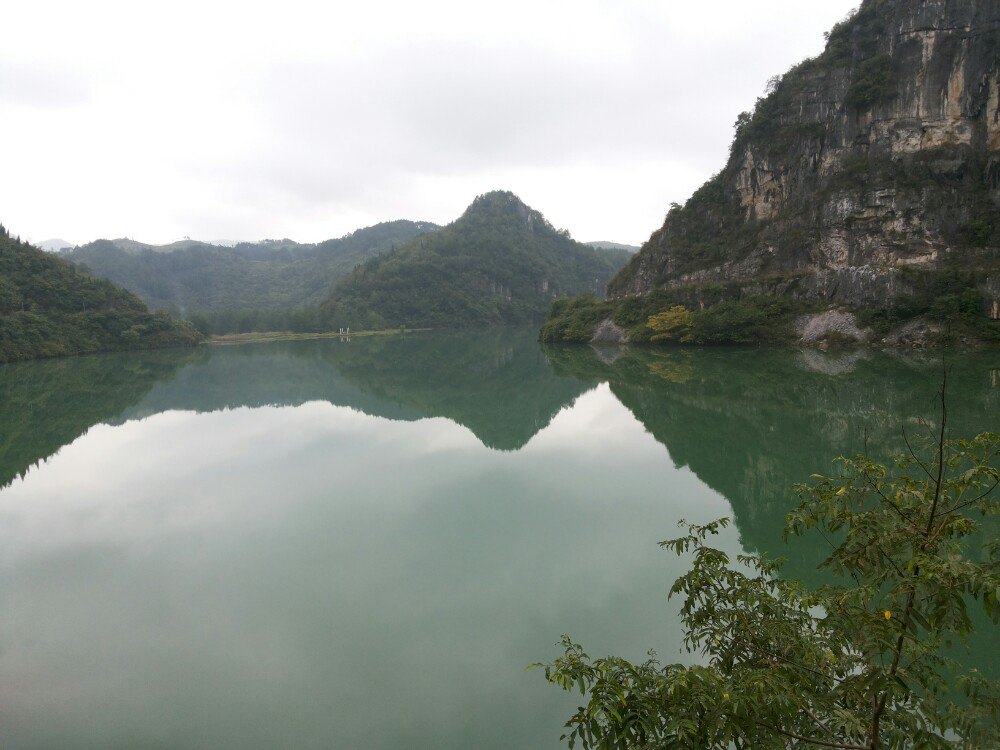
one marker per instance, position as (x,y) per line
(501,262)
(49,308)
(864,177)
(198,279)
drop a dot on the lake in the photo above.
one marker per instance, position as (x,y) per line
(363,544)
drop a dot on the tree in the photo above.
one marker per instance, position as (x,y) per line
(672,325)
(859,665)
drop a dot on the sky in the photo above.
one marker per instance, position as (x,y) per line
(251,120)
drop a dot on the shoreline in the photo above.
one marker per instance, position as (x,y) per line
(266,336)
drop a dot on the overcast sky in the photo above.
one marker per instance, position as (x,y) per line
(307,120)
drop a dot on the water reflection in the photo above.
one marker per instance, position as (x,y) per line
(316,577)
(362,544)
(751,423)
(47,404)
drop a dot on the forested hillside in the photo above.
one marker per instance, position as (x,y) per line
(500,262)
(50,308)
(253,286)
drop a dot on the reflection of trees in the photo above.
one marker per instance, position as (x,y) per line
(497,383)
(751,423)
(46,404)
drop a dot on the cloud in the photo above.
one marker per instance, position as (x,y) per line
(41,85)
(246,120)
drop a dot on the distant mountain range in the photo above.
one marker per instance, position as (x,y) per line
(500,262)
(244,284)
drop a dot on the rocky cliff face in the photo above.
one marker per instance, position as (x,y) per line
(880,154)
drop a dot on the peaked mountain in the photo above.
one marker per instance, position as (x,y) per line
(192,278)
(867,178)
(49,308)
(501,262)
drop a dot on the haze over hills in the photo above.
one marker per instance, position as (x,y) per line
(242,284)
(866,179)
(54,245)
(501,262)
(49,308)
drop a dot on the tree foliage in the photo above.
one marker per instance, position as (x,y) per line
(271,285)
(662,316)
(501,262)
(49,308)
(671,325)
(859,664)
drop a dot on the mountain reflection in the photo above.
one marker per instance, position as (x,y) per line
(498,384)
(747,423)
(752,423)
(46,404)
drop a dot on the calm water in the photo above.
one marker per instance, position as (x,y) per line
(362,544)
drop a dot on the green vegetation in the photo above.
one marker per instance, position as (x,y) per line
(948,297)
(860,665)
(271,285)
(501,262)
(662,316)
(673,325)
(49,308)
(873,81)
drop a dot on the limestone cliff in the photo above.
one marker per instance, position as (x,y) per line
(882,153)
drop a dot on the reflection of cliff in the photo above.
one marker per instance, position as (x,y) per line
(496,383)
(46,404)
(752,423)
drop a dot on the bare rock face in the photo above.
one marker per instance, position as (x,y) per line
(881,153)
(831,326)
(608,333)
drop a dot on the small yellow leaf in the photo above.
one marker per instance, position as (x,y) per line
(888,615)
(725,695)
(842,490)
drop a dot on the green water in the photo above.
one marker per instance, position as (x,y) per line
(362,544)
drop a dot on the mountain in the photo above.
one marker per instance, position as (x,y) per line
(866,180)
(229,286)
(54,245)
(605,245)
(501,262)
(49,308)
